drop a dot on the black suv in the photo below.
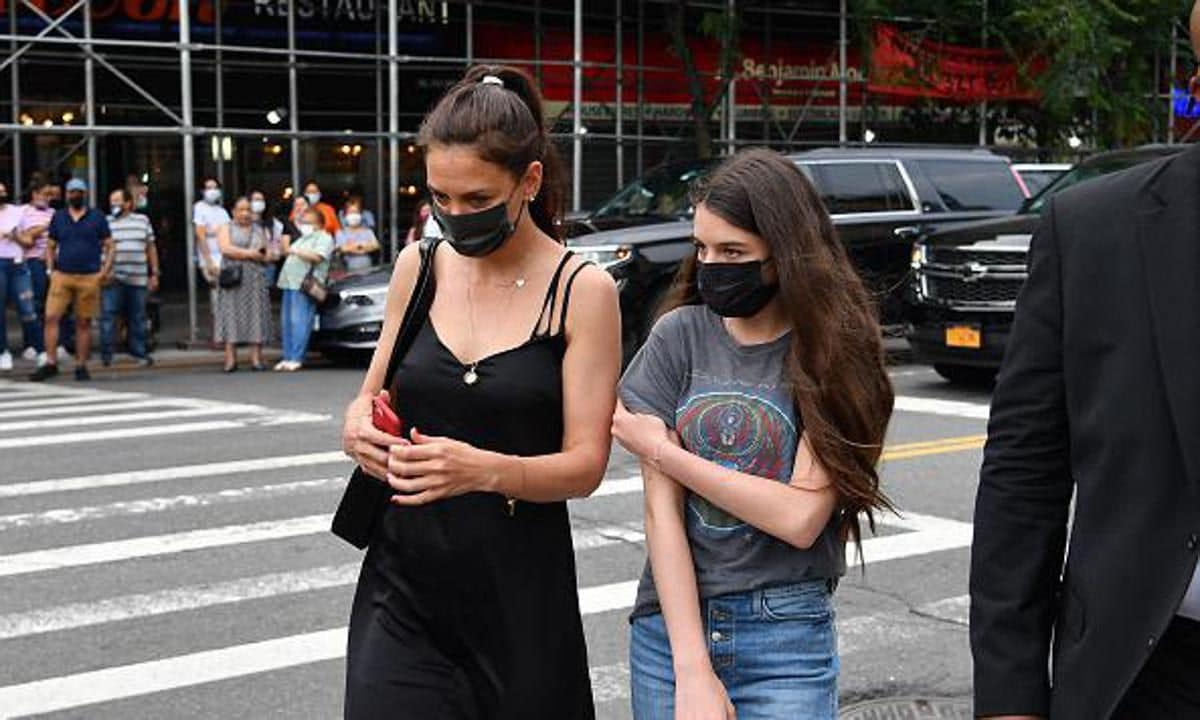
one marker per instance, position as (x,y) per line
(966,277)
(881,199)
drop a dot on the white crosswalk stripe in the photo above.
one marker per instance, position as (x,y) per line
(188,507)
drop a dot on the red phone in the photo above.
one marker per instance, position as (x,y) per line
(384,418)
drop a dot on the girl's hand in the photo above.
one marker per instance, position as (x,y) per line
(363,442)
(701,696)
(435,468)
(637,433)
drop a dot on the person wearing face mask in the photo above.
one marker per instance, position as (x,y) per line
(80,259)
(504,376)
(16,285)
(355,196)
(314,199)
(135,274)
(356,241)
(34,231)
(274,230)
(307,256)
(208,217)
(244,300)
(758,408)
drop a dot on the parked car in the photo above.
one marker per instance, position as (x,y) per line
(966,277)
(1038,176)
(661,195)
(347,329)
(880,198)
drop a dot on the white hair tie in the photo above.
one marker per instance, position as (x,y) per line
(491,80)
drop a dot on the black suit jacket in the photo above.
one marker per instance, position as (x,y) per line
(1099,394)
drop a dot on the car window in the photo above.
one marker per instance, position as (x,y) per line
(861,187)
(660,193)
(1038,180)
(1079,174)
(974,185)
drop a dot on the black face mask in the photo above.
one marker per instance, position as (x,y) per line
(734,289)
(479,233)
(76,201)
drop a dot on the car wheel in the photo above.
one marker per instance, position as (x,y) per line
(966,375)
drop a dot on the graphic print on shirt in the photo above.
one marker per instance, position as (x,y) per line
(745,430)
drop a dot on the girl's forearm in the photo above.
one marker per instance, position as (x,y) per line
(674,572)
(791,514)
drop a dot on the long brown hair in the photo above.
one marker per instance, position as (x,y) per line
(835,363)
(506,126)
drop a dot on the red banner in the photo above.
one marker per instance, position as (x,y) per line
(906,67)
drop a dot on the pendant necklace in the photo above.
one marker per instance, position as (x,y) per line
(470,375)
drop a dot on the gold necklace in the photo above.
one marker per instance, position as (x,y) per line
(471,375)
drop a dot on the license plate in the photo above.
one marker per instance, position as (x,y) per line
(316,322)
(964,336)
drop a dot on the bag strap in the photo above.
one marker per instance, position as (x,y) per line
(416,312)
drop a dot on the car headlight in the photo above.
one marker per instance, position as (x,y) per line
(362,298)
(604,256)
(918,255)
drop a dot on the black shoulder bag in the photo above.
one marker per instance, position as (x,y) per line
(365,497)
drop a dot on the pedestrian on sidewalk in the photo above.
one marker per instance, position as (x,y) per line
(355,241)
(758,408)
(273,228)
(355,196)
(35,237)
(16,283)
(467,605)
(1095,436)
(80,259)
(244,299)
(135,274)
(307,257)
(315,200)
(208,217)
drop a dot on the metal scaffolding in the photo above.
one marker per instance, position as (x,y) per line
(180,121)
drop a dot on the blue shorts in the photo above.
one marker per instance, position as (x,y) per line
(775,650)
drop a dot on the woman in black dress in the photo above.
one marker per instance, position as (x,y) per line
(467,605)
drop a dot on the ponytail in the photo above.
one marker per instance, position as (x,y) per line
(506,125)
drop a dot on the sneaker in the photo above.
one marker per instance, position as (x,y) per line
(281,366)
(29,354)
(6,360)
(42,359)
(82,374)
(63,354)
(145,362)
(44,373)
(291,366)
(106,360)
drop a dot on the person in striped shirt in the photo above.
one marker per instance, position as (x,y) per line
(135,273)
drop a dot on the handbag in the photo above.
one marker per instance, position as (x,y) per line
(230,276)
(314,288)
(365,497)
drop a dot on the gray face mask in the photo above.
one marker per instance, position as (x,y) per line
(480,233)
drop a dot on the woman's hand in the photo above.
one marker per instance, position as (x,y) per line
(435,468)
(637,433)
(363,442)
(701,696)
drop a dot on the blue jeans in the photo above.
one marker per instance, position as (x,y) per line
(298,312)
(774,650)
(129,301)
(16,286)
(33,334)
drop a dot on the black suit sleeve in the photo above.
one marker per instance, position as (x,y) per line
(1024,495)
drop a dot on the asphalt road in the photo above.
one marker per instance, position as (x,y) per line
(164,553)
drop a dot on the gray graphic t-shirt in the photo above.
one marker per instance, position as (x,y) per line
(731,405)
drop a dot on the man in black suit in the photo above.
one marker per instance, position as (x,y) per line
(1099,397)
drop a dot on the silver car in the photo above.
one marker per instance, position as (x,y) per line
(347,329)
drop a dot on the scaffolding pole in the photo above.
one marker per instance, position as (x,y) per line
(381,209)
(293,100)
(577,114)
(843,42)
(393,127)
(1171,83)
(731,93)
(189,158)
(983,104)
(620,91)
(219,73)
(89,79)
(641,86)
(470,32)
(15,82)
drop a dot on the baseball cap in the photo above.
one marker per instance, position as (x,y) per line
(76,184)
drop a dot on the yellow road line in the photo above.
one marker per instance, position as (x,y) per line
(934,447)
